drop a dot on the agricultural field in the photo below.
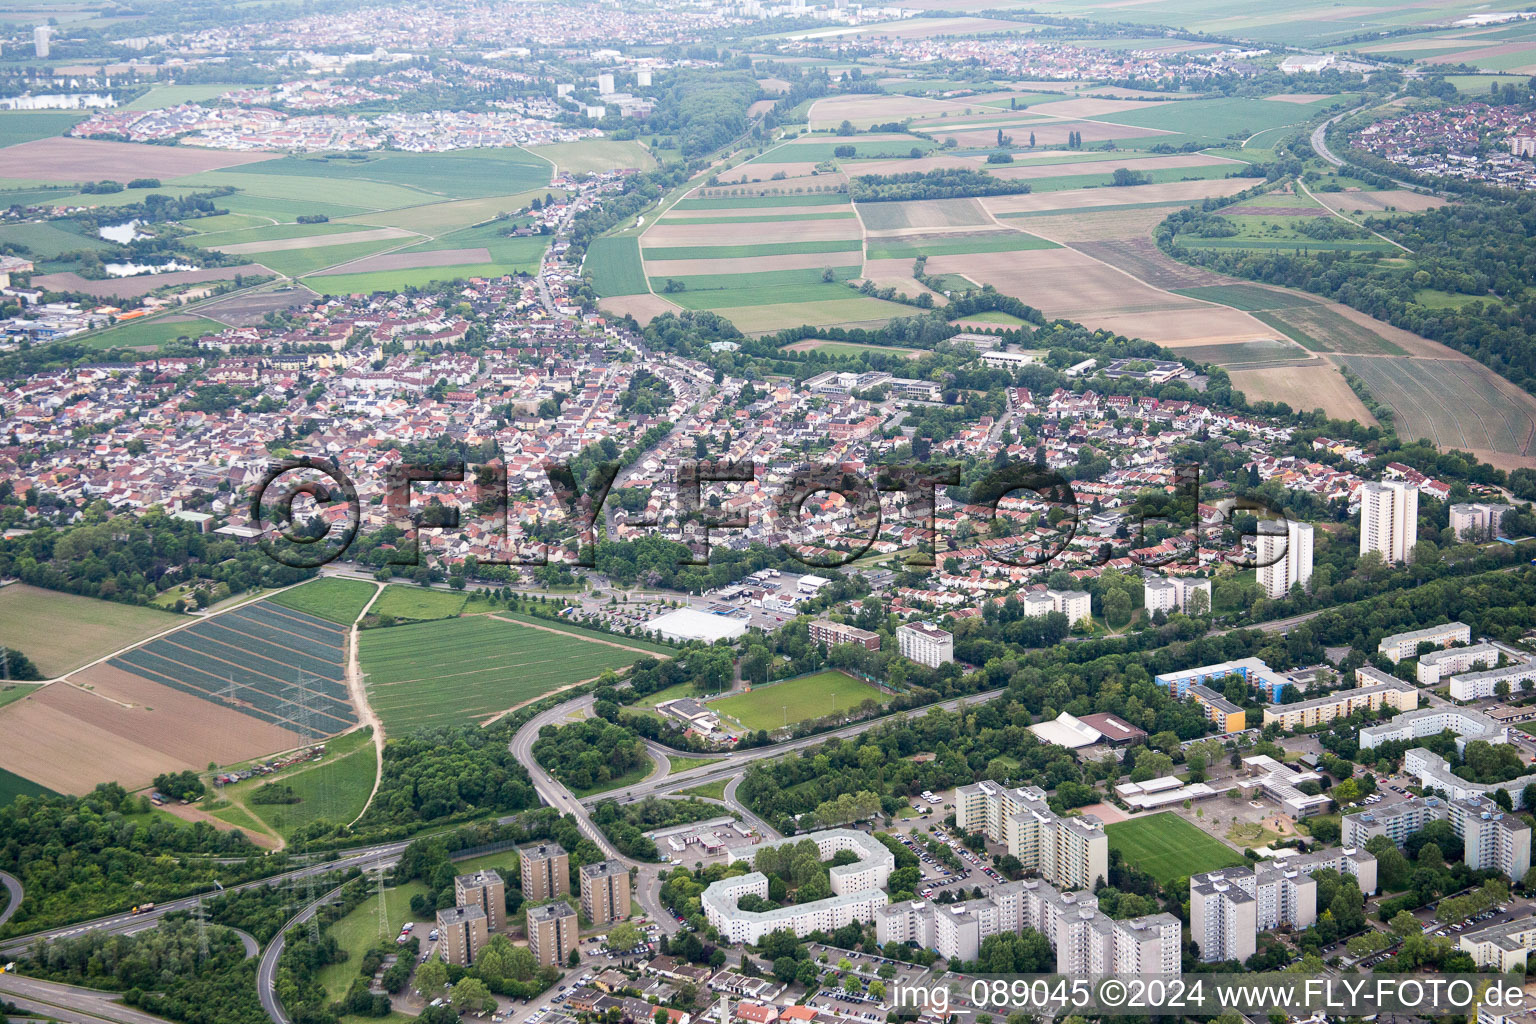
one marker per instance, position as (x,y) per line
(849,348)
(1456,403)
(912,246)
(795,700)
(1321,329)
(928,213)
(31,618)
(335,600)
(614,263)
(595,155)
(150,333)
(18,126)
(1247,297)
(47,240)
(13,786)
(418,603)
(280,666)
(1168,848)
(472,669)
(575,629)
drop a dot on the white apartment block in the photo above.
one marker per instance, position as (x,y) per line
(858,890)
(1230,906)
(1415,725)
(1076,605)
(1069,852)
(1223,914)
(1477,520)
(1501,947)
(1284,557)
(1433,771)
(1373,691)
(1085,939)
(1481,685)
(1406,645)
(1389,519)
(925,643)
(1172,593)
(1492,840)
(1437,665)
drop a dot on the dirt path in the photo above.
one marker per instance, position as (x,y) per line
(1348,220)
(365,712)
(265,840)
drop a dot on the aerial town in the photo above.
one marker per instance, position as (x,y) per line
(579,513)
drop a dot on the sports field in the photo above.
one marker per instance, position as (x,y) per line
(336,600)
(60,632)
(1167,847)
(795,700)
(403,602)
(468,670)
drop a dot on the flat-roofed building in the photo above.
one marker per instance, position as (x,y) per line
(1466,723)
(1173,593)
(1437,665)
(1223,914)
(1252,671)
(552,929)
(1069,852)
(824,631)
(1375,690)
(545,870)
(483,889)
(462,932)
(1492,839)
(1225,715)
(1503,947)
(925,643)
(1493,682)
(605,892)
(1406,645)
(1477,520)
(1389,519)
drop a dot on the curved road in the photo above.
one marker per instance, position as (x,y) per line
(69,1003)
(12,886)
(266,971)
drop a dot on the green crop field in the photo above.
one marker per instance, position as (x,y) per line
(853,348)
(284,209)
(815,152)
(337,600)
(172,95)
(18,126)
(13,786)
(1220,118)
(403,602)
(10,693)
(47,240)
(723,252)
(759,219)
(1154,176)
(1246,296)
(1320,329)
(1011,241)
(765,202)
(1168,848)
(461,174)
(795,700)
(596,155)
(1245,355)
(468,670)
(562,626)
(61,632)
(309,193)
(299,262)
(261,231)
(149,333)
(615,266)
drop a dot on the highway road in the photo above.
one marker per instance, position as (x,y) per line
(13,886)
(266,971)
(124,923)
(69,1003)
